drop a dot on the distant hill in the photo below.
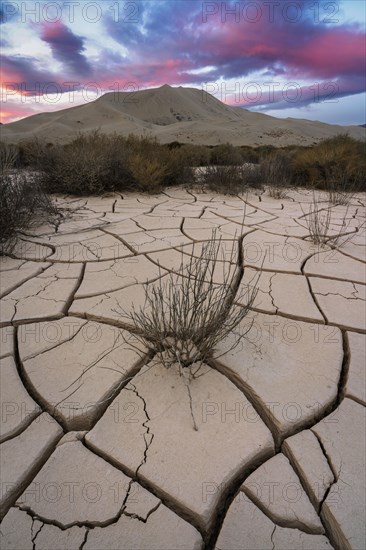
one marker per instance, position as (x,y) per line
(187,115)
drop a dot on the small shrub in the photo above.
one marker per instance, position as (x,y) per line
(8,157)
(31,153)
(264,151)
(319,223)
(148,173)
(250,154)
(186,314)
(228,180)
(253,175)
(92,164)
(95,163)
(277,192)
(174,145)
(276,173)
(340,193)
(154,166)
(226,155)
(196,155)
(23,204)
(336,163)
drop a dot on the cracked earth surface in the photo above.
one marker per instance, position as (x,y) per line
(102,446)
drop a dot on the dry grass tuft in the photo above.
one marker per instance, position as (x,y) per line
(187,313)
(318,220)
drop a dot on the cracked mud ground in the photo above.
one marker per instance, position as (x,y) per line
(103,447)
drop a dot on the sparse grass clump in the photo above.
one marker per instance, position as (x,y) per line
(23,204)
(322,230)
(340,193)
(187,313)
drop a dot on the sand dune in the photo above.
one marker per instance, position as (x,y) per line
(187,115)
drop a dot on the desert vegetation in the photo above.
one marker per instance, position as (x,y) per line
(323,229)
(93,164)
(97,163)
(187,313)
(8,157)
(23,204)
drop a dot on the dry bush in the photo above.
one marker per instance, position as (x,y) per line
(276,173)
(195,155)
(228,180)
(91,164)
(31,153)
(226,155)
(252,175)
(337,163)
(340,193)
(96,163)
(318,220)
(8,157)
(250,154)
(277,192)
(23,204)
(154,166)
(148,173)
(186,314)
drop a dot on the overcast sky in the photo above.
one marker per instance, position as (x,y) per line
(302,59)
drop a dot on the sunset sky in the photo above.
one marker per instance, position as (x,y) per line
(302,59)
